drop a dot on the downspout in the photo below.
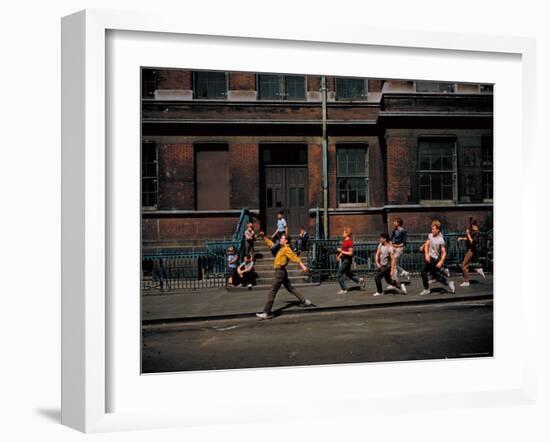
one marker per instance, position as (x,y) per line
(325,155)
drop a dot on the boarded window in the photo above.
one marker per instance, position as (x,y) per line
(212,172)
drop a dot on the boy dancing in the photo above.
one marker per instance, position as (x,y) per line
(385,263)
(345,257)
(398,242)
(435,254)
(284,254)
(472,242)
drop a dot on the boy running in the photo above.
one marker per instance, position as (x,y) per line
(472,242)
(385,263)
(398,242)
(345,257)
(284,254)
(435,253)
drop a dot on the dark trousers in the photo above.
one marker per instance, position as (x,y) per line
(248,278)
(384,272)
(430,268)
(249,247)
(281,278)
(344,269)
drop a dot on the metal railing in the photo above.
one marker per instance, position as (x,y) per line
(323,264)
(191,267)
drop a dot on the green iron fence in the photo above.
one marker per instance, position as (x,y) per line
(323,264)
(191,267)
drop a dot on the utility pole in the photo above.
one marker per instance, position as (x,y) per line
(325,155)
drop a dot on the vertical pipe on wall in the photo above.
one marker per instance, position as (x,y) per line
(325,155)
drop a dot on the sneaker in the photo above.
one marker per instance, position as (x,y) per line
(342,292)
(362,283)
(249,286)
(465,284)
(452,286)
(480,271)
(307,303)
(425,292)
(431,281)
(447,273)
(391,287)
(377,294)
(403,288)
(261,315)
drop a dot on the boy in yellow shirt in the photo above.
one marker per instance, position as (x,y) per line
(283,256)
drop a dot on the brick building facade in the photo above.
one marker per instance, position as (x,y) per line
(216,142)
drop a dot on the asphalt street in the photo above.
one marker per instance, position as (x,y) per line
(394,333)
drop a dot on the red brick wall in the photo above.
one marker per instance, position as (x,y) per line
(451,220)
(375,85)
(315,175)
(399,182)
(377,189)
(244,175)
(313,83)
(176,177)
(361,224)
(174,79)
(332,190)
(240,81)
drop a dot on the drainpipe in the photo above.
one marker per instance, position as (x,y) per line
(325,156)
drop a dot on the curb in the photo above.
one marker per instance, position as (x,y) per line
(307,311)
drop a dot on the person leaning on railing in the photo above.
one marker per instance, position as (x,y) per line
(283,255)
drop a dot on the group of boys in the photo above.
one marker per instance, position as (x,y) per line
(387,261)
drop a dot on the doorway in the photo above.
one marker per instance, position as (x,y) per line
(285,186)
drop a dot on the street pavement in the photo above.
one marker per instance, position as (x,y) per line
(220,304)
(417,331)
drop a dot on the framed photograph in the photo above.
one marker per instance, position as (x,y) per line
(246,216)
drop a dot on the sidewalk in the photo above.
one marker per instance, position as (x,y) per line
(221,304)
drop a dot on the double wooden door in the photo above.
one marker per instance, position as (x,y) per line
(286,191)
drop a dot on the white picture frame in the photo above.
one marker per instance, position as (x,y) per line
(87,208)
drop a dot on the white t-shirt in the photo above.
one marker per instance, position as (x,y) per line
(435,244)
(385,252)
(281,225)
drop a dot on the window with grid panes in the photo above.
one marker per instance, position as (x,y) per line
(434,86)
(352,174)
(436,167)
(149,175)
(487,166)
(210,85)
(281,87)
(351,88)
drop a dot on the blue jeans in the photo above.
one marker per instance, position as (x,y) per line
(344,269)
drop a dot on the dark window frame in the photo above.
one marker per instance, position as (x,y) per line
(282,92)
(221,97)
(362,97)
(355,177)
(153,178)
(487,167)
(148,85)
(439,89)
(453,172)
